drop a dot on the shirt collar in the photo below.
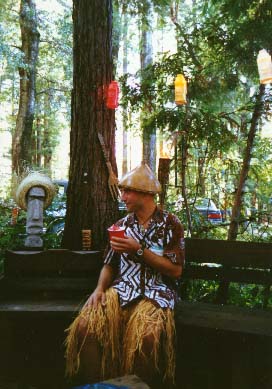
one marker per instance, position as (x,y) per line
(157,216)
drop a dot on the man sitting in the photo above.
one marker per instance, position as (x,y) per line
(127,324)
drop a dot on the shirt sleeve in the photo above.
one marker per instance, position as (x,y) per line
(175,246)
(111,257)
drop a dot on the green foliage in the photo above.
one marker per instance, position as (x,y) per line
(52,240)
(53,76)
(11,236)
(217,47)
(198,290)
(249,295)
(245,295)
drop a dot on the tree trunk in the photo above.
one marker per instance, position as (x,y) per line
(37,160)
(184,158)
(201,187)
(237,204)
(21,152)
(146,56)
(116,35)
(125,111)
(47,142)
(89,202)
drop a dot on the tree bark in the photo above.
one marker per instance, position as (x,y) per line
(116,34)
(125,70)
(47,147)
(146,56)
(184,170)
(21,152)
(89,202)
(37,159)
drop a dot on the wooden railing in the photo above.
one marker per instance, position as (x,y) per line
(221,345)
(228,261)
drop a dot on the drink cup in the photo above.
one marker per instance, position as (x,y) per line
(117,231)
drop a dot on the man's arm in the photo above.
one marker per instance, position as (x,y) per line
(157,262)
(161,264)
(104,282)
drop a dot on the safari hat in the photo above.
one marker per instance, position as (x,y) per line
(141,179)
(30,181)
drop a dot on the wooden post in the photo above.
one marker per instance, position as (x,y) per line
(163,177)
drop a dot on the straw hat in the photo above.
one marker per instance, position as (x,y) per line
(30,181)
(141,179)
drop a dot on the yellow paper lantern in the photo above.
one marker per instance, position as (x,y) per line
(180,90)
(264,67)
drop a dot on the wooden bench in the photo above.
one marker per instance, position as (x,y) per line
(221,345)
(218,345)
(40,293)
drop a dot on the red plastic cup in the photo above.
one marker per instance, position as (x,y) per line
(117,231)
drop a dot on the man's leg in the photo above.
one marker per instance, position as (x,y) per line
(144,364)
(90,355)
(92,344)
(149,335)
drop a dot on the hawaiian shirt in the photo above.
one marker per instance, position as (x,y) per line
(135,279)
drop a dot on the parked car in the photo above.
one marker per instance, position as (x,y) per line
(205,206)
(62,186)
(209,210)
(55,213)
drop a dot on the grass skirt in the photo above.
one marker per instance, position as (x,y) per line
(121,333)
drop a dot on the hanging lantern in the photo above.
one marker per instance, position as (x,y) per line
(180,90)
(264,67)
(113,95)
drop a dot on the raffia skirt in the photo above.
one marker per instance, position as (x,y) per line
(120,333)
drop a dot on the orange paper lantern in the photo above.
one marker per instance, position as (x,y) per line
(180,90)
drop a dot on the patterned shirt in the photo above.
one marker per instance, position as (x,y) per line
(135,279)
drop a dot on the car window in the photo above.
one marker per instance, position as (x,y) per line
(202,203)
(205,203)
(61,186)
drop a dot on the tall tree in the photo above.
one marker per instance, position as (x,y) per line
(125,70)
(89,202)
(47,134)
(146,56)
(21,152)
(54,83)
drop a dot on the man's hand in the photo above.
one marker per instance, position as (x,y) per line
(97,297)
(125,245)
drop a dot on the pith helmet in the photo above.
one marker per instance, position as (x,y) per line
(141,179)
(30,181)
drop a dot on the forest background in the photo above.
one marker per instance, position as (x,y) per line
(219,143)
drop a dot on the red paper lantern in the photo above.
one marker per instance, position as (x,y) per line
(113,95)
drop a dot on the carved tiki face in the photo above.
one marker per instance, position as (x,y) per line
(35,201)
